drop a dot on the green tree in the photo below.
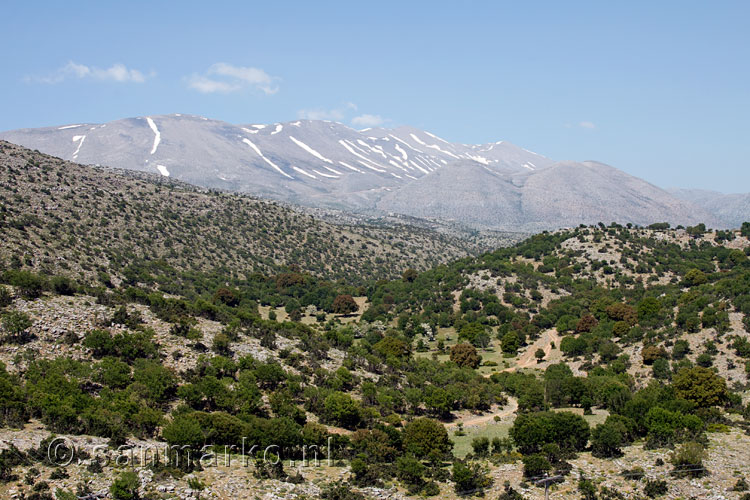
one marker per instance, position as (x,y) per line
(510,342)
(535,465)
(465,355)
(607,438)
(341,409)
(694,277)
(427,438)
(125,487)
(15,324)
(700,386)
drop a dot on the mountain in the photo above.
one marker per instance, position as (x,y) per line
(58,216)
(733,209)
(404,170)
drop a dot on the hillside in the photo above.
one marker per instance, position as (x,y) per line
(89,222)
(497,186)
(732,208)
(616,357)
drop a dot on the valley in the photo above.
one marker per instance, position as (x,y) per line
(615,356)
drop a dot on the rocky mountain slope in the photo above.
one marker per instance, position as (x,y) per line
(733,208)
(614,358)
(405,170)
(60,216)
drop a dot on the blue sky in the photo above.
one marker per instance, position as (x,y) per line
(658,89)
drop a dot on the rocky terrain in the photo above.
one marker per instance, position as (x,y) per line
(498,186)
(57,215)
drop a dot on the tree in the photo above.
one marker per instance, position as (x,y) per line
(510,342)
(481,446)
(409,275)
(586,323)
(539,354)
(409,470)
(531,431)
(701,386)
(183,431)
(392,346)
(341,409)
(694,277)
(427,438)
(745,230)
(651,353)
(649,308)
(535,465)
(125,487)
(465,355)
(661,369)
(607,438)
(15,324)
(469,478)
(13,405)
(344,304)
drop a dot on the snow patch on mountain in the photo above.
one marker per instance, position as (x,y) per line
(310,150)
(157,134)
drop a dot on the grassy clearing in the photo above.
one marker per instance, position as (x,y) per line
(462,444)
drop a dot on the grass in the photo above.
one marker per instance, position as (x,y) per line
(462,444)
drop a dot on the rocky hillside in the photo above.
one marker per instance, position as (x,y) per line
(613,358)
(732,208)
(408,171)
(88,222)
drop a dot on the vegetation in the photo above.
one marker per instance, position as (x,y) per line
(598,352)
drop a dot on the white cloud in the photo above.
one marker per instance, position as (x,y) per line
(341,114)
(116,73)
(587,125)
(366,120)
(337,114)
(224,78)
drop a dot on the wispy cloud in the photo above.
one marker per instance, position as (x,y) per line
(73,71)
(338,114)
(366,120)
(225,78)
(589,125)
(342,113)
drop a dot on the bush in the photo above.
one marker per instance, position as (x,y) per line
(29,285)
(62,285)
(344,304)
(688,460)
(700,386)
(694,277)
(535,465)
(125,487)
(469,478)
(427,438)
(15,325)
(6,298)
(340,409)
(531,431)
(465,355)
(655,488)
(340,491)
(481,446)
(607,438)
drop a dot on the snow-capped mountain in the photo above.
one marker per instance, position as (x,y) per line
(406,170)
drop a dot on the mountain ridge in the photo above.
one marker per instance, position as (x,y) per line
(328,164)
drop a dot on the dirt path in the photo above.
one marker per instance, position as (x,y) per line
(474,421)
(544,342)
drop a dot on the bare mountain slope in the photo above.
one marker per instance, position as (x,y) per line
(405,170)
